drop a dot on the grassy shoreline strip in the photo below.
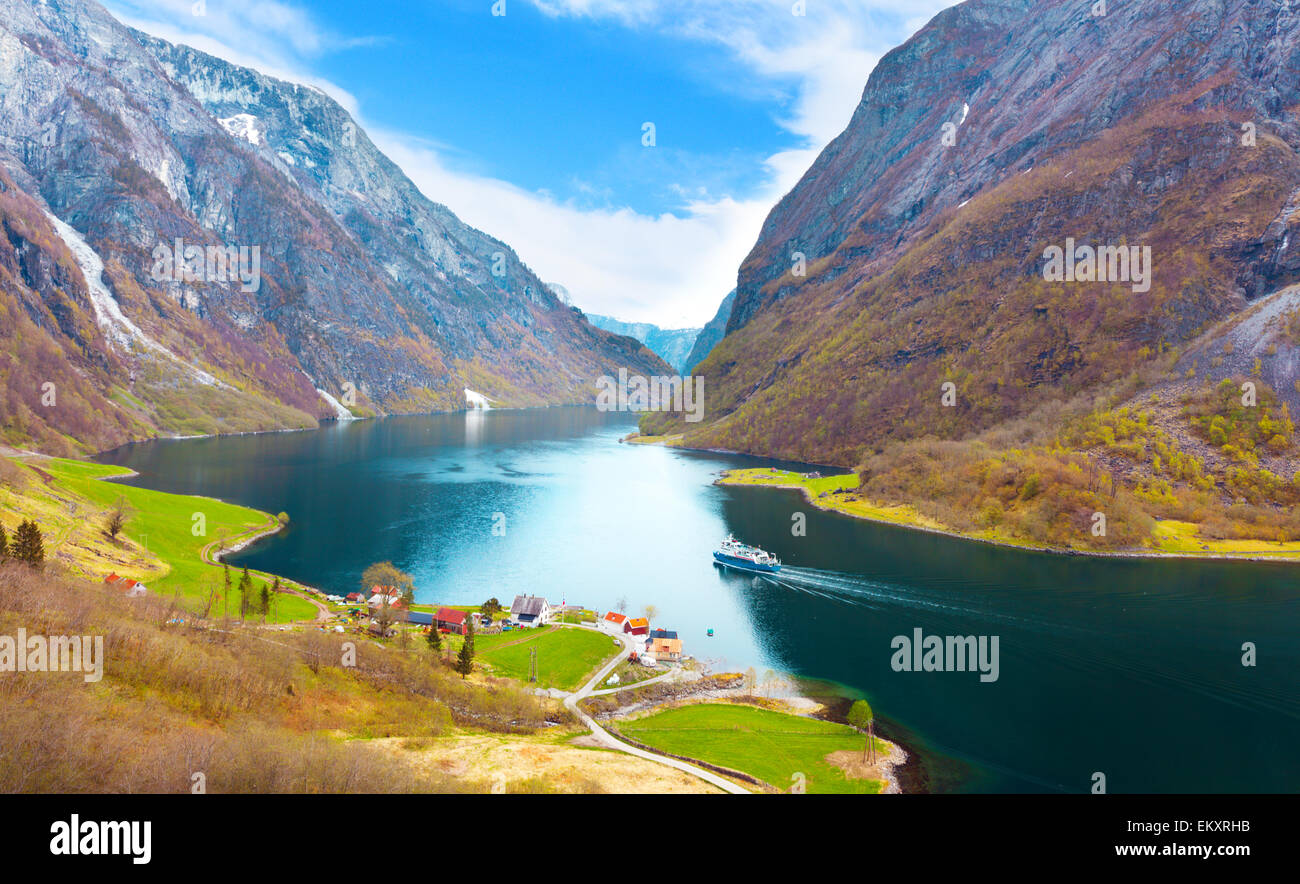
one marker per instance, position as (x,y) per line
(1175,539)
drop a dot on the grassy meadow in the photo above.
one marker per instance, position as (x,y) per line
(772,746)
(566,657)
(161,543)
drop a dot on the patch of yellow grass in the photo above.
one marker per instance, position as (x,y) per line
(674,439)
(72,525)
(1183,538)
(567,765)
(813,489)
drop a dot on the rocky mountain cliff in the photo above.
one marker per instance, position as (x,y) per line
(713,331)
(191,246)
(672,344)
(912,253)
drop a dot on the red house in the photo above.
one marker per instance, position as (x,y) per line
(355,597)
(132,588)
(637,626)
(450,620)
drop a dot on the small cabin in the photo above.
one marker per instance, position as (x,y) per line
(128,587)
(613,622)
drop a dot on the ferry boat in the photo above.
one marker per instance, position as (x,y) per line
(734,554)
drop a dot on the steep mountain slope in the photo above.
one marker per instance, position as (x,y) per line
(924,261)
(912,254)
(714,330)
(671,344)
(353,285)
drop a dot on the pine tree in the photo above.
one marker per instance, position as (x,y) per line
(265,600)
(225,596)
(4,544)
(434,638)
(28,546)
(245,587)
(465,663)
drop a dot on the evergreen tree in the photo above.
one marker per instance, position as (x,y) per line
(265,600)
(245,588)
(225,596)
(28,545)
(465,663)
(4,544)
(434,638)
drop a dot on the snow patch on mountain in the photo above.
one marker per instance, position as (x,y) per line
(118,328)
(476,400)
(243,126)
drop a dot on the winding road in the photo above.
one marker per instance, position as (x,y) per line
(608,740)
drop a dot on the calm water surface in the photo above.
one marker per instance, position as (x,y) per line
(1130,668)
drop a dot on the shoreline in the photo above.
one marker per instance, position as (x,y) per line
(1286,557)
(1282,556)
(901,771)
(320,425)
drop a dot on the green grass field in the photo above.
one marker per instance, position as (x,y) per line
(165,525)
(565,657)
(772,746)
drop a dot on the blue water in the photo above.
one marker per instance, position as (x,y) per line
(1131,668)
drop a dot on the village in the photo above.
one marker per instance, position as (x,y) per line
(384,613)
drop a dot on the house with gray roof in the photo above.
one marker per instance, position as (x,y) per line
(530,610)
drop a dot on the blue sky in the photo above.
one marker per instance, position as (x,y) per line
(529,125)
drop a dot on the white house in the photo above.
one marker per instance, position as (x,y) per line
(530,610)
(613,623)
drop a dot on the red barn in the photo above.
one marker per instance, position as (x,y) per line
(637,626)
(450,620)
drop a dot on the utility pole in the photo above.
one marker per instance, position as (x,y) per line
(532,665)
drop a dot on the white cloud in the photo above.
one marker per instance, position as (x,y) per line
(664,269)
(670,269)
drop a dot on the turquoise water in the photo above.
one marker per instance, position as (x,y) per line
(1131,668)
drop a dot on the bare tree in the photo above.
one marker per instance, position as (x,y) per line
(118,516)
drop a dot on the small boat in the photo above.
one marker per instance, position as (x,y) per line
(734,554)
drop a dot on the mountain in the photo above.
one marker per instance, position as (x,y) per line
(671,344)
(713,331)
(312,272)
(914,253)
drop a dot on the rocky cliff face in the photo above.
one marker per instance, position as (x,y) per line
(911,254)
(121,149)
(671,344)
(713,331)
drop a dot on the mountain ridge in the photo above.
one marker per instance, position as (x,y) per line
(368,291)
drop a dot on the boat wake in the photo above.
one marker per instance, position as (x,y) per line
(1113,643)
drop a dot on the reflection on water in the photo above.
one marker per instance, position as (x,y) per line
(1128,667)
